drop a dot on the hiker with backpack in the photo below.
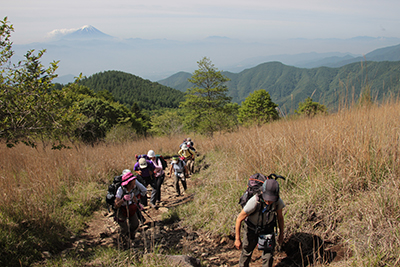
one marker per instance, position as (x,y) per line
(260,214)
(180,170)
(188,156)
(127,205)
(145,169)
(159,173)
(183,143)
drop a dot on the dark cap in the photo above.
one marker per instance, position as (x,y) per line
(270,190)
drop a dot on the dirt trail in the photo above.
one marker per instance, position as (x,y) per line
(172,237)
(168,236)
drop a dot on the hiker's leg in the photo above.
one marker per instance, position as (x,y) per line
(153,185)
(134,224)
(192,167)
(190,164)
(160,181)
(122,222)
(250,240)
(143,200)
(267,259)
(184,183)
(176,183)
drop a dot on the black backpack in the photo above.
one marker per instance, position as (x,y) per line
(254,186)
(112,191)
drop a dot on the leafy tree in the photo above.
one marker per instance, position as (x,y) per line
(140,121)
(105,95)
(99,113)
(310,108)
(168,122)
(205,104)
(258,108)
(29,109)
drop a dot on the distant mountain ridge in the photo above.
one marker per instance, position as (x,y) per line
(290,85)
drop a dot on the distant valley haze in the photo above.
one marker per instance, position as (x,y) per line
(155,39)
(88,50)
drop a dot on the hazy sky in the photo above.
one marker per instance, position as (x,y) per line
(252,20)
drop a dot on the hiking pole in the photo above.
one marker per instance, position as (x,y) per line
(129,228)
(152,224)
(120,231)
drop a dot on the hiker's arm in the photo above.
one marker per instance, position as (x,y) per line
(170,171)
(242,215)
(118,202)
(281,225)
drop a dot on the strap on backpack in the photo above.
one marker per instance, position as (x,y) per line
(261,228)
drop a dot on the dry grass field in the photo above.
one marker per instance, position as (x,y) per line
(342,183)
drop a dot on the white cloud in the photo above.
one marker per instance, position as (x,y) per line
(61,32)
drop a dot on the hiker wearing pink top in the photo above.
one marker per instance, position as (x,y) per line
(159,174)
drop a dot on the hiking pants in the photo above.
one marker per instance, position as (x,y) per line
(153,183)
(159,182)
(176,183)
(250,240)
(190,165)
(123,223)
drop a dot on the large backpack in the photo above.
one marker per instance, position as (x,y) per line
(254,186)
(112,191)
(163,161)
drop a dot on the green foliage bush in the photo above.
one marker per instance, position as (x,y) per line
(310,108)
(258,108)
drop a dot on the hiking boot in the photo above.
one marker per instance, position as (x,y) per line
(153,206)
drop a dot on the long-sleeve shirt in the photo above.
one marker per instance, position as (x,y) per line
(159,168)
(138,189)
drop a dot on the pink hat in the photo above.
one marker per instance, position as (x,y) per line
(126,178)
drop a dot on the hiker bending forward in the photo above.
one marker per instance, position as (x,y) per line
(126,202)
(145,169)
(260,214)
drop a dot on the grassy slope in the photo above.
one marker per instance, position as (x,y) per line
(342,179)
(342,183)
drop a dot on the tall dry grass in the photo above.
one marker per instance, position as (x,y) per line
(342,178)
(46,195)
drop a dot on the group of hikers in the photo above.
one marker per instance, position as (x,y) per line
(262,211)
(130,197)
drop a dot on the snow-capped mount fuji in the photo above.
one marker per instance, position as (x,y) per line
(87,32)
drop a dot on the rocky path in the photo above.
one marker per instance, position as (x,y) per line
(167,235)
